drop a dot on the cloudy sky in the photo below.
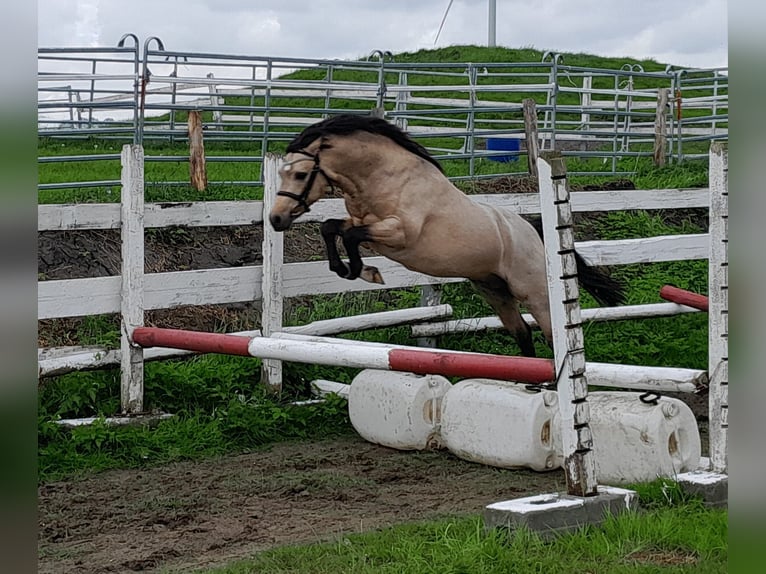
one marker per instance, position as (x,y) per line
(682,32)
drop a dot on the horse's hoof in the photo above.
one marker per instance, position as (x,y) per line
(372,275)
(341,271)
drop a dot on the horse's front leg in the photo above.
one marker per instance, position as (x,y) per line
(330,230)
(352,237)
(387,232)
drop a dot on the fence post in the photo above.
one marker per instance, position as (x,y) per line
(273,256)
(197,170)
(718,313)
(430,295)
(660,127)
(132,289)
(586,102)
(568,341)
(215,101)
(530,130)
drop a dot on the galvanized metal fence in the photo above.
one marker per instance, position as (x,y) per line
(463,112)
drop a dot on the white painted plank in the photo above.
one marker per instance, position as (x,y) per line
(189,214)
(77,297)
(371,320)
(600,314)
(645,250)
(132,275)
(204,213)
(273,266)
(60,217)
(142,420)
(222,213)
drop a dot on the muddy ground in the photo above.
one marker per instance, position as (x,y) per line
(199,514)
(189,515)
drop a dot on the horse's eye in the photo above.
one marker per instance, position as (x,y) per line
(301,175)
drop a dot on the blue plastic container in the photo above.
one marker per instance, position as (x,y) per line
(504,144)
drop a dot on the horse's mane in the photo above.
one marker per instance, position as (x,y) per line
(345,124)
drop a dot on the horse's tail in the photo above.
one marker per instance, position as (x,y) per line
(607,290)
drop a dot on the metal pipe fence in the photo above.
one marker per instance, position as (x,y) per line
(466,114)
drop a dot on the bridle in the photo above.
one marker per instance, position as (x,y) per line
(301,199)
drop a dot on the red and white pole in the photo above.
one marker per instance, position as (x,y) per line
(363,356)
(684,297)
(367,355)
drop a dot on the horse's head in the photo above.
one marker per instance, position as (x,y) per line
(303,183)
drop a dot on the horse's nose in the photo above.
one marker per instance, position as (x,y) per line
(278,222)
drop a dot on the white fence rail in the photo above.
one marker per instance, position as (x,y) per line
(93,296)
(134,292)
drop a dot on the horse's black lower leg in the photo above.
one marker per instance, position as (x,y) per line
(331,230)
(497,294)
(351,237)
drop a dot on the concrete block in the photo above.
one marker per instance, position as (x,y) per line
(712,487)
(553,514)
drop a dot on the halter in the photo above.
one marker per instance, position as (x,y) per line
(301,199)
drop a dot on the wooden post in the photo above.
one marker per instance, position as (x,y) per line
(530,129)
(718,313)
(660,127)
(132,289)
(197,172)
(271,284)
(568,341)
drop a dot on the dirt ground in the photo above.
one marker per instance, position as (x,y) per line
(190,515)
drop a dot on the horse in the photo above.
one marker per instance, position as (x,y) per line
(400,203)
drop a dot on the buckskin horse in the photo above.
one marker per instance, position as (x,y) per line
(401,204)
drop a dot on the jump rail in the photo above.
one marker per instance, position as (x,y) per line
(684,297)
(53,362)
(357,354)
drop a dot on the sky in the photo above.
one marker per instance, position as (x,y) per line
(688,33)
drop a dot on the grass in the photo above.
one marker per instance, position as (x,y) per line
(673,534)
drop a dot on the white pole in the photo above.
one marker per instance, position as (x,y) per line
(492,23)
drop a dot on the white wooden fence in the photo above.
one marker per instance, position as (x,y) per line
(134,292)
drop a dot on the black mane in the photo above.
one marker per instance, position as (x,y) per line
(345,124)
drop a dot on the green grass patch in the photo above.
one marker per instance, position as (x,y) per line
(237,425)
(677,538)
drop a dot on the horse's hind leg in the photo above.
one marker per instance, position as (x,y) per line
(497,294)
